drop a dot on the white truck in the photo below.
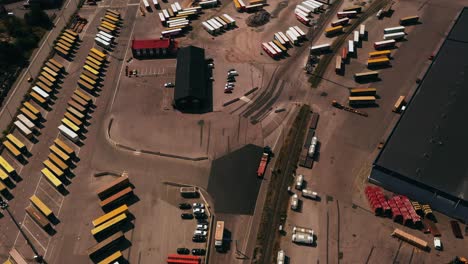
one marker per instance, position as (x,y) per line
(294,202)
(309,193)
(299,182)
(313,145)
(305,230)
(303,238)
(281,257)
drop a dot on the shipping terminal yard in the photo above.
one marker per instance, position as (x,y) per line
(237,131)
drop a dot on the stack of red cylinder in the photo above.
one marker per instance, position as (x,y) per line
(374,201)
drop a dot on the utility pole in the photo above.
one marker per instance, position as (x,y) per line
(37,256)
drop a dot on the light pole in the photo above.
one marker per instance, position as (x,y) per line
(37,256)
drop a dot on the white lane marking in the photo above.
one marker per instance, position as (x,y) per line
(123,64)
(32,235)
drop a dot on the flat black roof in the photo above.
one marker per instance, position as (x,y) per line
(429,145)
(191,73)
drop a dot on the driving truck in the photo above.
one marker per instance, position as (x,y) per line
(263,161)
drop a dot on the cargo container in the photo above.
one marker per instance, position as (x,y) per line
(305,230)
(219,234)
(294,202)
(333,31)
(320,48)
(394,30)
(378,61)
(409,20)
(399,104)
(384,44)
(356,37)
(398,35)
(340,22)
(299,181)
(68,133)
(347,14)
(309,194)
(303,238)
(350,46)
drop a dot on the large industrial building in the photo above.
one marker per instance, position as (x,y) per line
(191,93)
(425,156)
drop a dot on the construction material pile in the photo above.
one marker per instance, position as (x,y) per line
(258,19)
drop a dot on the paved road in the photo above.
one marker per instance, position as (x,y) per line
(15,96)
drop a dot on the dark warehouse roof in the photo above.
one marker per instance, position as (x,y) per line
(191,73)
(429,145)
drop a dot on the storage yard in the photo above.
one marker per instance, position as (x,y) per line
(152,132)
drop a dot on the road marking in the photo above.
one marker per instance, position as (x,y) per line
(123,64)
(32,235)
(50,197)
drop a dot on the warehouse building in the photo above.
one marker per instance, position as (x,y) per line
(154,48)
(425,156)
(192,89)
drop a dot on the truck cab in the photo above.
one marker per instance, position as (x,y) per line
(299,182)
(294,202)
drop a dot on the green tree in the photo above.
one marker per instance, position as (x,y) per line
(10,55)
(37,17)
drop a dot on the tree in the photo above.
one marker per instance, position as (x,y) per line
(10,55)
(37,17)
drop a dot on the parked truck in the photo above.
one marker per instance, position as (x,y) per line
(263,161)
(219,233)
(299,182)
(294,202)
(309,193)
(303,238)
(305,230)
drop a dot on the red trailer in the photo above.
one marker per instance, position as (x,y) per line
(262,165)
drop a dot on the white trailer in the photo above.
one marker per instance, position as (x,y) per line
(101,42)
(284,37)
(273,45)
(304,9)
(394,30)
(292,37)
(280,39)
(310,6)
(166,14)
(280,259)
(106,39)
(162,18)
(299,229)
(106,34)
(146,4)
(41,92)
(224,24)
(320,5)
(23,129)
(174,8)
(320,48)
(218,25)
(155,3)
(197,9)
(315,5)
(272,52)
(208,28)
(350,46)
(178,24)
(309,193)
(68,133)
(299,30)
(294,202)
(177,20)
(214,25)
(299,182)
(398,35)
(362,30)
(303,238)
(292,30)
(172,32)
(356,37)
(28,123)
(232,22)
(300,12)
(177,5)
(313,143)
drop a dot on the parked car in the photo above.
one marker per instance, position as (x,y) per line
(200,232)
(186,216)
(198,238)
(233,73)
(185,206)
(198,211)
(202,227)
(183,251)
(230,70)
(200,216)
(198,205)
(169,84)
(198,251)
